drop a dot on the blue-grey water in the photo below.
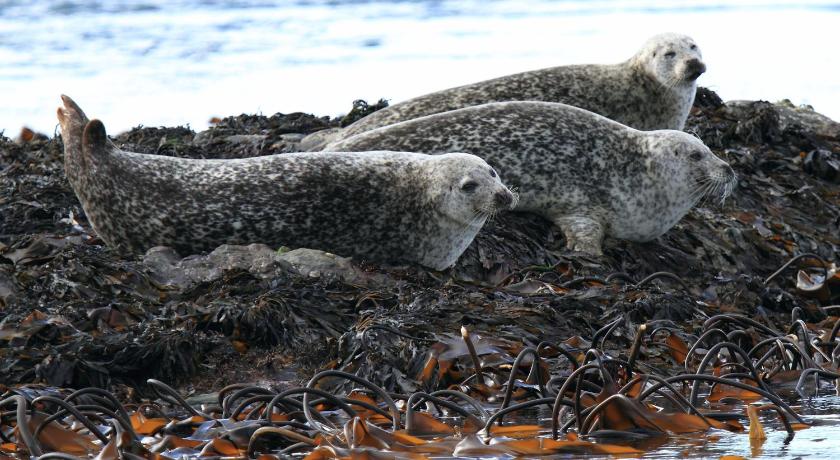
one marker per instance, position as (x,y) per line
(159,62)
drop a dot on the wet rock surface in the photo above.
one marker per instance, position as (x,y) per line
(76,314)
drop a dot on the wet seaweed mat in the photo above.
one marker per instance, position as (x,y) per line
(593,403)
(76,315)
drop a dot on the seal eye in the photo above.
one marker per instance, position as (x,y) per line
(469,187)
(492,173)
(670,54)
(696,156)
(694,47)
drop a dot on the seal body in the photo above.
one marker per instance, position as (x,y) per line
(652,90)
(387,206)
(589,175)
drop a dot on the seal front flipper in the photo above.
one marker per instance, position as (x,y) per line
(583,234)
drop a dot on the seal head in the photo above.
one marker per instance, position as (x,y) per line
(680,172)
(670,59)
(467,192)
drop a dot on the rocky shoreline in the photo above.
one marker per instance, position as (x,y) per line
(74,314)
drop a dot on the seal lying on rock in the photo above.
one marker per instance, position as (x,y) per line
(378,205)
(652,90)
(589,175)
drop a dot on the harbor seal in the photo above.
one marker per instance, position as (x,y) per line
(591,176)
(654,89)
(384,206)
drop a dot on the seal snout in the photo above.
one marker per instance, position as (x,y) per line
(731,180)
(723,181)
(693,69)
(729,173)
(503,199)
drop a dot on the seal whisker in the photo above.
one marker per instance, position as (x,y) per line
(698,194)
(672,83)
(701,190)
(515,192)
(723,191)
(697,197)
(722,188)
(703,180)
(730,188)
(705,192)
(694,133)
(478,218)
(712,194)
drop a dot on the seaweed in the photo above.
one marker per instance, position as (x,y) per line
(251,314)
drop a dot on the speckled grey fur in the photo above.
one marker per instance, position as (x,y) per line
(589,175)
(387,206)
(651,90)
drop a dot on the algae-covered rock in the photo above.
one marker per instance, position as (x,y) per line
(80,314)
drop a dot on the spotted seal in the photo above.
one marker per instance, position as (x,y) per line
(591,176)
(386,206)
(654,89)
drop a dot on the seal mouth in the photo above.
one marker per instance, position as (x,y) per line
(693,76)
(505,200)
(502,200)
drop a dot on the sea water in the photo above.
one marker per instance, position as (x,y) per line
(177,62)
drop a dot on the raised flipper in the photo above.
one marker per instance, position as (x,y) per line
(72,120)
(71,112)
(583,234)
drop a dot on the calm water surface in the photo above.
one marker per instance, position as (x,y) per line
(157,62)
(818,442)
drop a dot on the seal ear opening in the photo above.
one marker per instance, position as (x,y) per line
(94,140)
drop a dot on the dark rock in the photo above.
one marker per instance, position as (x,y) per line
(805,118)
(707,99)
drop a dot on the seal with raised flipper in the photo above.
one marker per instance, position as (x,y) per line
(654,89)
(591,176)
(383,206)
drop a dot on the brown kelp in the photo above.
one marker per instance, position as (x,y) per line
(680,332)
